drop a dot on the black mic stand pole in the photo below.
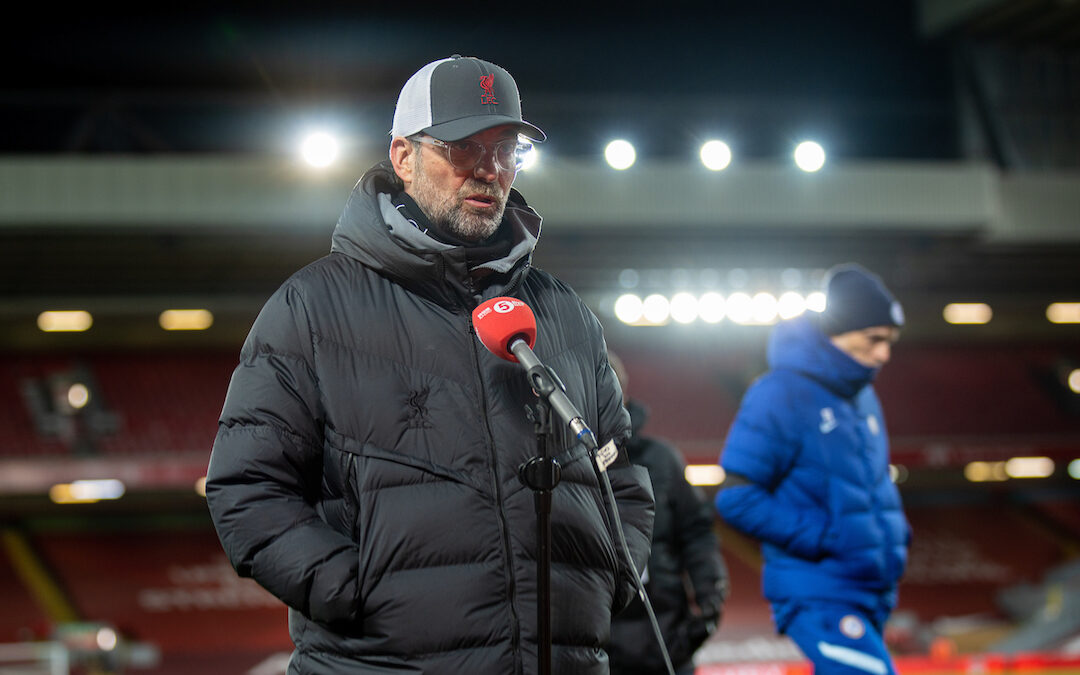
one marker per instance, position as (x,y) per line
(541,474)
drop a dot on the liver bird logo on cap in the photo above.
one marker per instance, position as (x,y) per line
(487,83)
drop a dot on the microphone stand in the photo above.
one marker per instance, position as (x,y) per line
(541,474)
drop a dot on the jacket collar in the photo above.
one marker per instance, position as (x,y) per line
(800,345)
(373,231)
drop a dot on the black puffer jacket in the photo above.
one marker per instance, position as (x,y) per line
(685,554)
(366,465)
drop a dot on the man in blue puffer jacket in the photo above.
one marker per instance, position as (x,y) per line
(807,474)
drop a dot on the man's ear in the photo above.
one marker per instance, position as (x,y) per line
(403,157)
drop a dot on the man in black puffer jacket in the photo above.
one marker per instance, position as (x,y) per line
(685,564)
(365,469)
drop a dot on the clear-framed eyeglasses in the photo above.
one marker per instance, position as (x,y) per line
(465,154)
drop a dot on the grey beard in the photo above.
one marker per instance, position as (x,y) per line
(450,215)
(454,219)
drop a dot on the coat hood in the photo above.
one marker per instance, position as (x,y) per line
(801,346)
(372,231)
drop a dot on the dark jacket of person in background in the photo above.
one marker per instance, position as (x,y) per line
(685,563)
(366,466)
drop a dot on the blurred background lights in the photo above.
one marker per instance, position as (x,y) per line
(186,319)
(1029,467)
(73,321)
(86,491)
(983,472)
(1063,312)
(967,313)
(763,308)
(815,302)
(790,305)
(629,278)
(739,307)
(898,473)
(809,156)
(704,474)
(684,308)
(628,308)
(200,486)
(530,159)
(620,154)
(711,307)
(715,155)
(78,396)
(791,278)
(1073,381)
(1074,469)
(319,149)
(656,309)
(106,639)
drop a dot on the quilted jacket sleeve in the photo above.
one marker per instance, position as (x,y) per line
(758,454)
(696,541)
(265,469)
(630,484)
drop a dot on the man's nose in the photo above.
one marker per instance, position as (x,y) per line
(487,169)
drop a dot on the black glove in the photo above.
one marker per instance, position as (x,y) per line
(703,624)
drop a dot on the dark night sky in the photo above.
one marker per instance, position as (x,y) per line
(187,80)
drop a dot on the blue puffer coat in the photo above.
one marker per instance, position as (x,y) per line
(811,440)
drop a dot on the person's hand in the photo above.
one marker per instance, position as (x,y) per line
(711,613)
(703,624)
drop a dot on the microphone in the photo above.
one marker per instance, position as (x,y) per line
(507,327)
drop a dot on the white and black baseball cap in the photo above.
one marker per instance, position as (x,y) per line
(454,98)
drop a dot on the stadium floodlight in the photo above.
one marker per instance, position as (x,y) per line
(628,308)
(620,154)
(1063,312)
(764,308)
(656,309)
(684,307)
(809,156)
(1073,380)
(711,307)
(73,321)
(967,313)
(531,158)
(790,305)
(319,149)
(815,302)
(715,155)
(739,307)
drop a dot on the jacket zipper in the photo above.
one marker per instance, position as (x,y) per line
(511,583)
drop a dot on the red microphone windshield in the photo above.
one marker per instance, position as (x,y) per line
(500,321)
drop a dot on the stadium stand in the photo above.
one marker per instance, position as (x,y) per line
(22,617)
(173,589)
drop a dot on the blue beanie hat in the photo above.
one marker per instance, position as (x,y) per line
(856,298)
